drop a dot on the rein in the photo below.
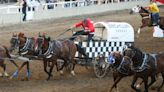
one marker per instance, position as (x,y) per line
(145,17)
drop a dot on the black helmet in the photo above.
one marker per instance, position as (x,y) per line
(84,20)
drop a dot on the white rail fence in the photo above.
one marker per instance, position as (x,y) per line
(38,11)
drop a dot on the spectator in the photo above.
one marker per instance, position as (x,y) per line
(24,6)
(50,6)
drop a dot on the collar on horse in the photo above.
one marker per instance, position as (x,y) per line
(24,50)
(49,51)
(144,64)
(121,68)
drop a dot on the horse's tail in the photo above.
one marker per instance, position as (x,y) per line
(82,51)
(7,52)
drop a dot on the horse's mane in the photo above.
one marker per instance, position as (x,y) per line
(138,54)
(146,11)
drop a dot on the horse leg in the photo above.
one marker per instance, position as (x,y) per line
(153,79)
(51,68)
(139,29)
(73,67)
(28,70)
(45,65)
(146,84)
(117,80)
(61,68)
(133,83)
(138,85)
(4,69)
(18,70)
(158,90)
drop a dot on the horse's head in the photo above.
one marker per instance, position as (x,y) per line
(115,58)
(135,9)
(42,43)
(141,10)
(134,54)
(14,42)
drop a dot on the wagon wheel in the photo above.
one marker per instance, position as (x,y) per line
(100,68)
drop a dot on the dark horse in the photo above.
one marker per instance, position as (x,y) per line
(51,50)
(146,19)
(4,54)
(26,49)
(143,66)
(120,69)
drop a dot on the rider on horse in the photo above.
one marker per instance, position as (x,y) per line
(154,10)
(88,29)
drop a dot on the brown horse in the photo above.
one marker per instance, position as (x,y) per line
(4,54)
(120,69)
(143,66)
(25,49)
(52,50)
(146,19)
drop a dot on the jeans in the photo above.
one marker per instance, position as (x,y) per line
(155,17)
(24,13)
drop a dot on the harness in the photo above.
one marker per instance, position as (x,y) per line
(121,69)
(28,45)
(49,51)
(155,60)
(145,17)
(144,64)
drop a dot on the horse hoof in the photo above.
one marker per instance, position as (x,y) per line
(11,77)
(48,79)
(73,73)
(1,75)
(6,74)
(138,86)
(61,72)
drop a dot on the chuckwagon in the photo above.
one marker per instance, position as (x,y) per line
(109,36)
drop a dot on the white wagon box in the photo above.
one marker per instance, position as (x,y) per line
(109,36)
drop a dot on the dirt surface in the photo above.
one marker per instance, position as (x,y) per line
(85,80)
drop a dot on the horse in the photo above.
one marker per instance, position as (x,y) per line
(5,54)
(142,64)
(120,69)
(52,50)
(26,49)
(146,19)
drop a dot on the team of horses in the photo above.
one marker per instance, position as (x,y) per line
(132,62)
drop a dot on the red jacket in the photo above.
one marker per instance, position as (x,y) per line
(89,25)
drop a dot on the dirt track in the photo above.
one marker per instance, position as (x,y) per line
(85,80)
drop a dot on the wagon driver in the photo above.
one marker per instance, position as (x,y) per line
(88,29)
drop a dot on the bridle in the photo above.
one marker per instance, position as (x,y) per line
(15,44)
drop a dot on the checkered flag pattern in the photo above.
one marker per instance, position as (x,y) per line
(94,48)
